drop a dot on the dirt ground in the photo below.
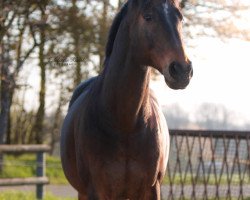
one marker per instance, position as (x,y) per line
(68,191)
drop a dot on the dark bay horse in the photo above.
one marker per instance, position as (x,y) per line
(114,141)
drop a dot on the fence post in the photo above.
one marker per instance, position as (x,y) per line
(40,172)
(1,162)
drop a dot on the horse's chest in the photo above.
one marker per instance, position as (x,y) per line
(135,158)
(125,164)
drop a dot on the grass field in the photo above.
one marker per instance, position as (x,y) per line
(14,195)
(25,166)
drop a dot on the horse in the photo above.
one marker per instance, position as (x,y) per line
(114,139)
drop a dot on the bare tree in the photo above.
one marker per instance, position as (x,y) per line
(214,18)
(38,125)
(103,26)
(214,116)
(14,24)
(176,117)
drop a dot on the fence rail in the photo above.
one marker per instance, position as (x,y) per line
(209,164)
(4,148)
(24,181)
(40,180)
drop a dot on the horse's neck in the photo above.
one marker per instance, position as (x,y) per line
(126,94)
(125,89)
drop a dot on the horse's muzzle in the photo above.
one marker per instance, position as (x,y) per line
(177,75)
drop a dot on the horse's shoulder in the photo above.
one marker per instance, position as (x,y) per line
(156,111)
(80,89)
(153,100)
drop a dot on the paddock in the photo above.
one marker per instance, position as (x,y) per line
(203,164)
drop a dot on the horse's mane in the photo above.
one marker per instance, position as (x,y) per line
(113,31)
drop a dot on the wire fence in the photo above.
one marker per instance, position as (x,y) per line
(208,164)
(202,165)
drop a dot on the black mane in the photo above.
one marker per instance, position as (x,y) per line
(114,29)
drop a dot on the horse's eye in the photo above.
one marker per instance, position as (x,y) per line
(148,17)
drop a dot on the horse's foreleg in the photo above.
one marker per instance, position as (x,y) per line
(85,197)
(156,191)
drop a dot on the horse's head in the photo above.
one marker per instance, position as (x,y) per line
(155,35)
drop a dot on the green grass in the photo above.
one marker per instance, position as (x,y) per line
(25,166)
(15,195)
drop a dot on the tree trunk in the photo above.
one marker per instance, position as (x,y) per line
(39,121)
(5,94)
(8,136)
(78,73)
(5,106)
(56,125)
(75,36)
(4,97)
(103,33)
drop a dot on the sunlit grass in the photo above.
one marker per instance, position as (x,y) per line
(16,195)
(25,166)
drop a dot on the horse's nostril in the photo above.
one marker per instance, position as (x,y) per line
(191,71)
(174,70)
(178,71)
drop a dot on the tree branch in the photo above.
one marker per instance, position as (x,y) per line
(6,28)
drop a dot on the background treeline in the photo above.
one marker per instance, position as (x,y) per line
(63,41)
(206,116)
